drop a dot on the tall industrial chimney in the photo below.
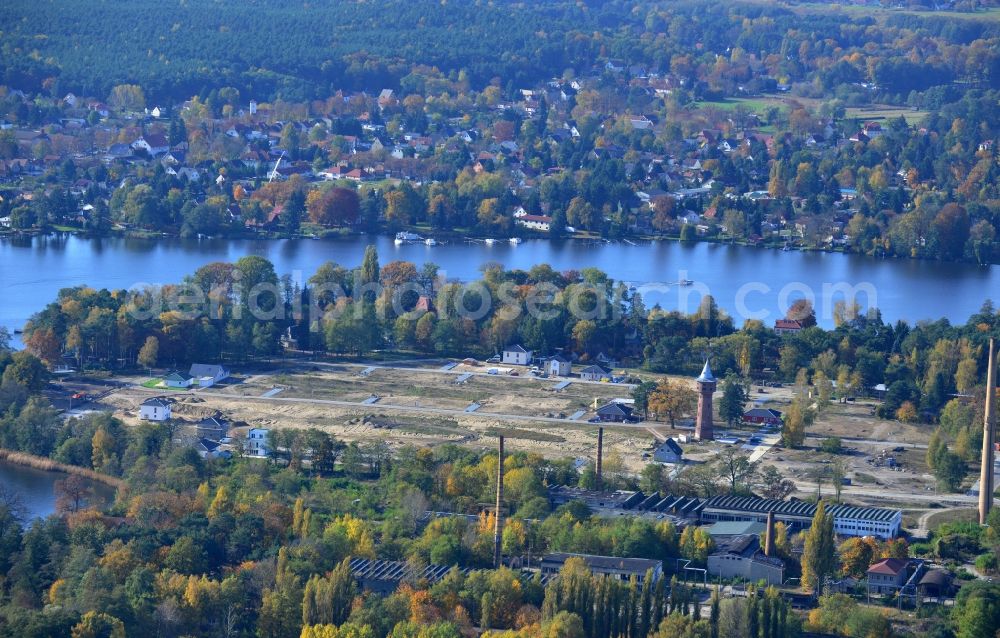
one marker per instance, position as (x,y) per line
(989,427)
(599,482)
(498,521)
(769,549)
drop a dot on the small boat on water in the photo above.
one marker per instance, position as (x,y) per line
(407,237)
(430,241)
(685,282)
(489,241)
(515,241)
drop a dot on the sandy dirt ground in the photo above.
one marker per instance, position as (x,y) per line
(426,406)
(242,402)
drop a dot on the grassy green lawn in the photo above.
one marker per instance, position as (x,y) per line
(872,112)
(755,104)
(155,384)
(882,112)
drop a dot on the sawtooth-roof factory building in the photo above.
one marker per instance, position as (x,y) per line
(848,520)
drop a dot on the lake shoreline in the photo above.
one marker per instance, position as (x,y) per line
(745,283)
(451,236)
(50,465)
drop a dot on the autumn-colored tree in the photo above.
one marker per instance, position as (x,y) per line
(857,555)
(44,344)
(71,493)
(583,335)
(696,544)
(819,558)
(793,432)
(907,413)
(672,399)
(104,456)
(95,624)
(127,97)
(334,206)
(149,353)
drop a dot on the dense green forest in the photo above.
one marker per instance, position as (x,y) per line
(268,48)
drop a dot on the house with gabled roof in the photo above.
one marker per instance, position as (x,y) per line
(153,143)
(668,451)
(763,416)
(156,409)
(787,326)
(208,374)
(516,355)
(595,373)
(616,412)
(888,575)
(176,379)
(209,449)
(558,366)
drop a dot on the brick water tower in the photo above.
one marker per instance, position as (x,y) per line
(706,386)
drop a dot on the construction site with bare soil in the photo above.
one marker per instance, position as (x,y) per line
(429,403)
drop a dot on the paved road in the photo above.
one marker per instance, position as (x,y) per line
(767,442)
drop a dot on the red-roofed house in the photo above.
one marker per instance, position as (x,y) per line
(787,326)
(153,143)
(887,575)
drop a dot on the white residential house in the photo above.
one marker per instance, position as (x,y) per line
(207,375)
(516,355)
(668,452)
(153,143)
(177,380)
(558,366)
(257,442)
(535,222)
(155,409)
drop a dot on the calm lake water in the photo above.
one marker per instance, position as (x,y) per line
(36,488)
(746,282)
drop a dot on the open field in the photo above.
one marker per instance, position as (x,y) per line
(418,403)
(416,406)
(991,14)
(871,112)
(881,112)
(861,10)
